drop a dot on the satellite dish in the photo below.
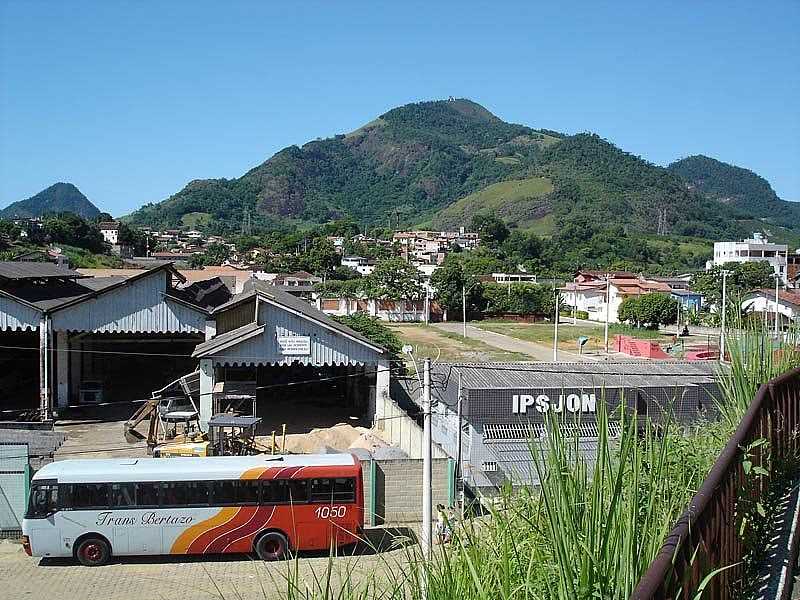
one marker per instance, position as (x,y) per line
(582,340)
(408,349)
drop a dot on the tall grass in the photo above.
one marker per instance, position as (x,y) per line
(591,528)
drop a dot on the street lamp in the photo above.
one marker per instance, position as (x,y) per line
(608,301)
(725,274)
(555,327)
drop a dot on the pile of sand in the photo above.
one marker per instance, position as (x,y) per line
(341,437)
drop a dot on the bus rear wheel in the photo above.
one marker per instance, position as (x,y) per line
(272,546)
(93,552)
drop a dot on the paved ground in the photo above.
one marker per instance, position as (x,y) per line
(498,340)
(188,578)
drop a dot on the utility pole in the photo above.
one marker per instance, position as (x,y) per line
(464,308)
(725,274)
(777,305)
(459,486)
(425,538)
(608,302)
(555,329)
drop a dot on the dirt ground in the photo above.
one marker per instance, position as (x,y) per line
(450,347)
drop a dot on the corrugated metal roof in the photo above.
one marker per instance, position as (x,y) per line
(20,270)
(582,374)
(53,294)
(222,341)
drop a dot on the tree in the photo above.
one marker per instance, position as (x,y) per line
(69,228)
(519,298)
(321,257)
(215,254)
(374,329)
(493,231)
(652,310)
(449,281)
(395,279)
(743,278)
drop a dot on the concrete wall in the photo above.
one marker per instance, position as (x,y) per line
(398,429)
(398,489)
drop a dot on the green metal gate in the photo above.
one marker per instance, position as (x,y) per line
(14,485)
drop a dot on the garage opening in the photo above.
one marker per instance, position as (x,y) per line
(304,397)
(111,367)
(19,373)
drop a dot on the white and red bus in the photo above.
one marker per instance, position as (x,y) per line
(271,505)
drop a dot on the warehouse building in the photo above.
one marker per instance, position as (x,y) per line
(67,339)
(504,408)
(274,355)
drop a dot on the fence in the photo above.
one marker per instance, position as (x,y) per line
(14,479)
(706,537)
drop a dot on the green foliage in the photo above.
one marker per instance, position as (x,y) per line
(374,329)
(58,198)
(739,188)
(492,230)
(451,281)
(215,254)
(69,228)
(518,298)
(743,278)
(395,279)
(651,310)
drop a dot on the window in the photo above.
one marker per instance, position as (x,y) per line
(43,501)
(236,492)
(87,495)
(284,491)
(147,494)
(173,493)
(123,495)
(197,493)
(333,490)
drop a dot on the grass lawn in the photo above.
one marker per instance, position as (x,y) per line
(450,347)
(542,333)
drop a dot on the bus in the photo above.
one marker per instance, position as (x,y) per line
(272,506)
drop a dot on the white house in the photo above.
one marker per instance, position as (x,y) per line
(755,249)
(364,266)
(110,231)
(763,301)
(588,292)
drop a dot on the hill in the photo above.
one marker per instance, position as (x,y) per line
(59,197)
(739,188)
(441,162)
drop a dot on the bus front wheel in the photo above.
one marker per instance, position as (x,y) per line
(93,552)
(272,546)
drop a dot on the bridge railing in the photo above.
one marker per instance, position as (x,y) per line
(707,536)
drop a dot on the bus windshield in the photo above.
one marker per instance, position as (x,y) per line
(43,500)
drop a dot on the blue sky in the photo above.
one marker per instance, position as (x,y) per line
(131,100)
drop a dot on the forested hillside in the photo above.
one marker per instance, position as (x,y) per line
(738,187)
(439,164)
(58,198)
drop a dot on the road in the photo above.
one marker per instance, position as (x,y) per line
(538,352)
(168,578)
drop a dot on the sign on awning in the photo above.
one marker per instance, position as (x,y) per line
(294,345)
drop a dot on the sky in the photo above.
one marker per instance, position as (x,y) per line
(131,100)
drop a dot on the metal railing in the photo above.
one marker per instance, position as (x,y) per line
(707,538)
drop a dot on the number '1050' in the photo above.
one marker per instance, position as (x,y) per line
(333,512)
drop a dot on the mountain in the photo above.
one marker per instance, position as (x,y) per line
(437,164)
(739,188)
(59,197)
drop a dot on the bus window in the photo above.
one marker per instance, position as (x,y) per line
(43,501)
(225,491)
(321,490)
(197,493)
(147,494)
(173,493)
(284,491)
(344,489)
(123,495)
(248,492)
(341,489)
(87,495)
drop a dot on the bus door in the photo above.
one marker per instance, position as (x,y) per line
(335,511)
(40,518)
